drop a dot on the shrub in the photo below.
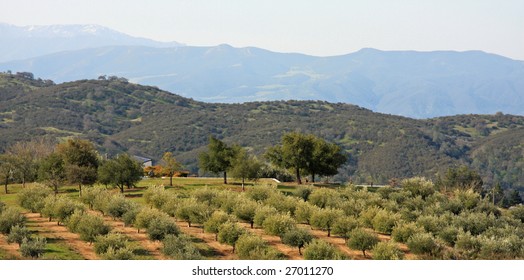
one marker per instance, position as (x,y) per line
(18,234)
(205,196)
(344,225)
(171,205)
(475,223)
(303,192)
(304,211)
(366,216)
(260,194)
(155,196)
(112,240)
(32,198)
(283,204)
(192,211)
(245,210)
(33,248)
(180,248)
(297,237)
(278,224)
(145,216)
(468,246)
(118,254)
(160,226)
(264,212)
(253,247)
(129,216)
(517,212)
(218,218)
(229,234)
(118,206)
(387,251)
(384,221)
(10,218)
(418,186)
(325,218)
(324,197)
(65,207)
(60,208)
(403,231)
(90,195)
(321,250)
(362,240)
(423,243)
(468,198)
(90,226)
(247,244)
(449,235)
(431,223)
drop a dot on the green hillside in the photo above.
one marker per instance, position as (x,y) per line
(120,116)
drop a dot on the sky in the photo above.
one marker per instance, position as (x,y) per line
(315,27)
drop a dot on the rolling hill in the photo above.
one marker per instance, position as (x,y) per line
(144,120)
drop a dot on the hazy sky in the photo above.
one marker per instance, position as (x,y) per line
(317,27)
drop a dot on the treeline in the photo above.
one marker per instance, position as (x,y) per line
(74,161)
(77,162)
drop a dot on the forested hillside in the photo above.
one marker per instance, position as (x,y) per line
(121,116)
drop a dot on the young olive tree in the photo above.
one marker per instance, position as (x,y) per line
(229,234)
(297,237)
(321,250)
(217,219)
(325,219)
(362,240)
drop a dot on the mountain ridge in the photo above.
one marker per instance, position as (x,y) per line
(409,83)
(23,42)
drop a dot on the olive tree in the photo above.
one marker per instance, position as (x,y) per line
(32,198)
(362,240)
(253,247)
(321,250)
(180,248)
(34,247)
(344,225)
(387,251)
(246,210)
(161,226)
(217,219)
(18,234)
(116,241)
(325,219)
(297,237)
(278,224)
(229,234)
(10,218)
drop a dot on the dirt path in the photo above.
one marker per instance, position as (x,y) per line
(52,230)
(11,249)
(290,252)
(224,252)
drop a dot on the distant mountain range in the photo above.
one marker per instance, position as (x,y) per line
(20,42)
(408,83)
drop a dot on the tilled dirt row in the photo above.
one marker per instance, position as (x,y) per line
(11,249)
(49,229)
